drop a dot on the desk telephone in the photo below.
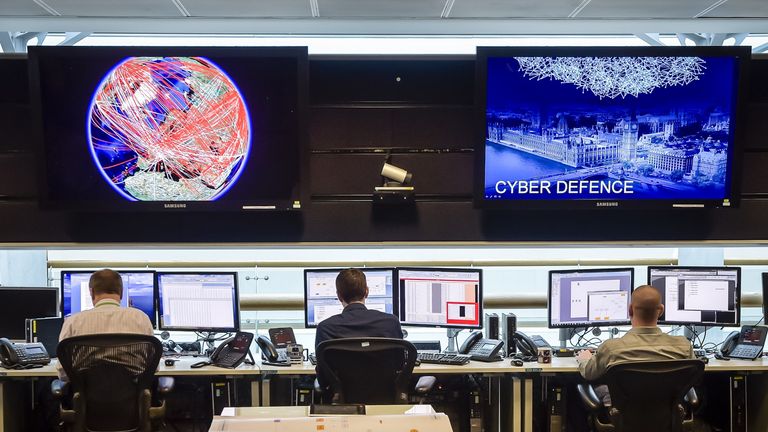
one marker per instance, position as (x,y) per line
(270,353)
(231,353)
(745,344)
(487,350)
(528,347)
(23,355)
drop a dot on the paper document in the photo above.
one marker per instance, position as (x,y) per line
(390,423)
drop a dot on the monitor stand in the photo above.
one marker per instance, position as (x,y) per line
(693,332)
(452,333)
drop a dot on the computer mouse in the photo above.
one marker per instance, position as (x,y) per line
(517,362)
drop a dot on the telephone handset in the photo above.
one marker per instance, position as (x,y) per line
(232,352)
(269,354)
(481,349)
(528,347)
(23,355)
(730,343)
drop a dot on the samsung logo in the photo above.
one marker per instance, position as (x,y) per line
(607,204)
(174,206)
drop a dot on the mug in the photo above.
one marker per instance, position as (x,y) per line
(545,355)
(297,353)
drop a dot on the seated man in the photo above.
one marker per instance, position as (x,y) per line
(644,342)
(107,316)
(356,320)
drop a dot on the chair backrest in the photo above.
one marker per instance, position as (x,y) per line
(367,370)
(648,396)
(111,375)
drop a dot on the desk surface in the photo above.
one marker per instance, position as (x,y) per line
(558,365)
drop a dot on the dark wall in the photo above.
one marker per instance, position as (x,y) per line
(421,109)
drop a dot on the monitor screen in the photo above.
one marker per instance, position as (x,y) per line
(590,298)
(198,301)
(18,304)
(765,296)
(608,127)
(138,292)
(320,301)
(433,297)
(698,295)
(170,128)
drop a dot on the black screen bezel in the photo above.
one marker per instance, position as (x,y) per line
(598,270)
(337,270)
(159,304)
(479,271)
(733,183)
(292,202)
(737,305)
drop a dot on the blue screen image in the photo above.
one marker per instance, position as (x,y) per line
(322,303)
(138,292)
(592,128)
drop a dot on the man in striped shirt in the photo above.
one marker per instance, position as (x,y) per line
(107,316)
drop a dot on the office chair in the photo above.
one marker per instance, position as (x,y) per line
(645,396)
(368,371)
(110,376)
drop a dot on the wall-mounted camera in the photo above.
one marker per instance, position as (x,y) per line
(396,188)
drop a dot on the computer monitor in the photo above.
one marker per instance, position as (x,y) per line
(19,303)
(765,297)
(138,291)
(698,295)
(320,301)
(440,297)
(198,301)
(590,297)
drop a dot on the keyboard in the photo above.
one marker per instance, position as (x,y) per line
(313,359)
(441,358)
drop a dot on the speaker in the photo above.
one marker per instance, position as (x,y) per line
(491,326)
(508,329)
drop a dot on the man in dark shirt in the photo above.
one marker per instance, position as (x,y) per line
(356,320)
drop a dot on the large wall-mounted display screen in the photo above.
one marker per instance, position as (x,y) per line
(170,128)
(609,127)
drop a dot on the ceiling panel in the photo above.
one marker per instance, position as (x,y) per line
(381,8)
(20,8)
(114,8)
(740,9)
(513,8)
(248,8)
(644,8)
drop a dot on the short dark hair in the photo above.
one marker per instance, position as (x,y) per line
(106,281)
(351,285)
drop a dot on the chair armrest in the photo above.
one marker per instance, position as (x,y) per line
(165,385)
(425,384)
(589,397)
(692,398)
(59,388)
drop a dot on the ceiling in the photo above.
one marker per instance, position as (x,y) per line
(402,16)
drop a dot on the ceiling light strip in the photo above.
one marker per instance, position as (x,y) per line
(715,5)
(447,8)
(315,8)
(47,7)
(180,6)
(579,8)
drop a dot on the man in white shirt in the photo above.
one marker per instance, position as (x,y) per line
(107,316)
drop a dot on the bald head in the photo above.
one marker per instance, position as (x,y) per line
(106,282)
(646,307)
